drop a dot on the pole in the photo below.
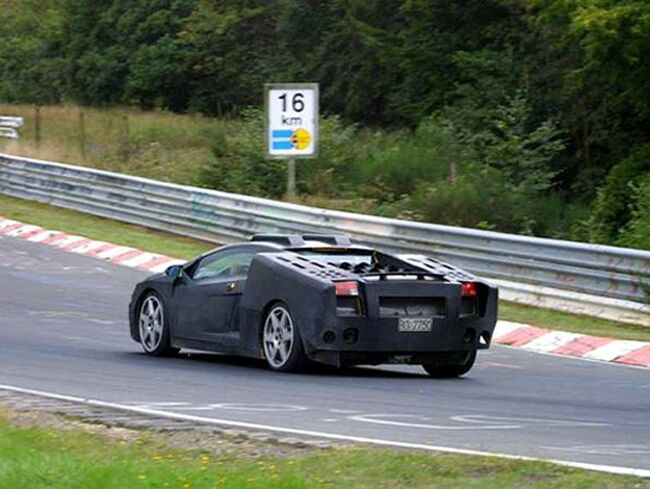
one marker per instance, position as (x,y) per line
(291,179)
(37,126)
(82,135)
(126,150)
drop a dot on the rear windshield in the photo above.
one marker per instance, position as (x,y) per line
(343,259)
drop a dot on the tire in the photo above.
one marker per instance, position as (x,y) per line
(447,371)
(281,341)
(153,328)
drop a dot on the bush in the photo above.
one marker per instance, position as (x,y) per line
(636,234)
(239,162)
(478,198)
(614,204)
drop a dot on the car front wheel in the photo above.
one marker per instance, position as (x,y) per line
(281,341)
(153,328)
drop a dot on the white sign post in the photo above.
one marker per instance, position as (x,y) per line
(291,114)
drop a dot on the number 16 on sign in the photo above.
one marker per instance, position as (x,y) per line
(291,111)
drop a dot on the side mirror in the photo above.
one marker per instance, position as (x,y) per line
(174,272)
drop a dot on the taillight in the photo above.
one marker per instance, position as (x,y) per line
(468,289)
(350,288)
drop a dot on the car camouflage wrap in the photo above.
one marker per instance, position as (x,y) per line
(323,299)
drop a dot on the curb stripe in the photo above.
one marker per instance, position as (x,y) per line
(53,238)
(523,335)
(142,259)
(66,240)
(581,346)
(163,266)
(156,262)
(551,341)
(41,236)
(113,252)
(125,256)
(614,349)
(9,228)
(16,233)
(504,328)
(76,244)
(88,247)
(56,240)
(31,233)
(638,357)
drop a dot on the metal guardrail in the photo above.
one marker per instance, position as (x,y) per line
(599,270)
(9,126)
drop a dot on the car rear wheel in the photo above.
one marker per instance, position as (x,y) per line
(446,371)
(281,341)
(153,328)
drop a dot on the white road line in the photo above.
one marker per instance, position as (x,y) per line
(615,349)
(612,469)
(551,341)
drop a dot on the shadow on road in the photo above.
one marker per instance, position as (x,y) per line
(215,359)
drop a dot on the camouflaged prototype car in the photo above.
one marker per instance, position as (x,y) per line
(293,299)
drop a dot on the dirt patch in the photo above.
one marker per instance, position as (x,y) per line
(203,439)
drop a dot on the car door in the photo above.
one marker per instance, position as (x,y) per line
(206,300)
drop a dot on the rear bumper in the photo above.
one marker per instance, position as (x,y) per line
(349,340)
(381,335)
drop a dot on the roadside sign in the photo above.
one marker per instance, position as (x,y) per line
(291,120)
(8,126)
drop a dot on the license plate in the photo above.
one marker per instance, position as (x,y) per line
(415,325)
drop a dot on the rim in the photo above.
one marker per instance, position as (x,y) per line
(278,336)
(151,323)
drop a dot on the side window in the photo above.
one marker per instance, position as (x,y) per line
(225,264)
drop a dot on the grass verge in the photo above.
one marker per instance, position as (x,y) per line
(158,242)
(98,228)
(44,457)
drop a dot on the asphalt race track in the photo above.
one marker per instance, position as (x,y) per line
(63,329)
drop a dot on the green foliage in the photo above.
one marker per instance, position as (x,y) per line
(636,233)
(534,103)
(239,161)
(615,202)
(128,51)
(32,68)
(232,44)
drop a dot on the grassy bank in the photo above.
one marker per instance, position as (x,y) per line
(158,145)
(49,457)
(172,245)
(421,175)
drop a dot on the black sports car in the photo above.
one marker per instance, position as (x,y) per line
(292,299)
